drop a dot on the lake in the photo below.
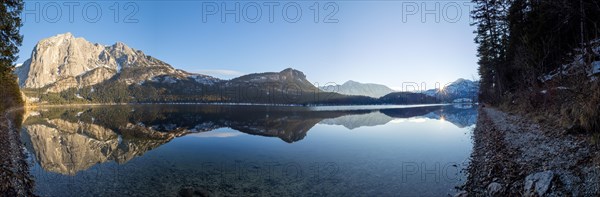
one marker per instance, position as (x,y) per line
(228,150)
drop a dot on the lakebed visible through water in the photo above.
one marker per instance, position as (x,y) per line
(214,150)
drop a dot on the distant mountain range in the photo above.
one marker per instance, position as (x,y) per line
(66,69)
(359,89)
(461,90)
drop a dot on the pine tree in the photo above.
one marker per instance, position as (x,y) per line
(492,36)
(10,39)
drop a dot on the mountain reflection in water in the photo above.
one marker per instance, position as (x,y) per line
(68,140)
(74,139)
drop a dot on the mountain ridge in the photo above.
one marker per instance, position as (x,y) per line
(65,69)
(461,90)
(355,88)
(65,61)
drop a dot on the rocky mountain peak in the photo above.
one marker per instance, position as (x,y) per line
(461,80)
(120,45)
(350,82)
(59,38)
(59,57)
(122,49)
(64,61)
(293,73)
(125,55)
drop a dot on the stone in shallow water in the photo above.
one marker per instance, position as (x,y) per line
(494,189)
(538,183)
(192,192)
(595,67)
(186,192)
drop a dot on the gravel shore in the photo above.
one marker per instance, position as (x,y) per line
(14,171)
(513,156)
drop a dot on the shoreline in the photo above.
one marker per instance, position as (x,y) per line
(374,106)
(15,179)
(513,156)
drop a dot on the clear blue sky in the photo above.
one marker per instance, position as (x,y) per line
(383,42)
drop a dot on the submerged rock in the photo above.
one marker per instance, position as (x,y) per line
(494,189)
(186,192)
(538,183)
(191,192)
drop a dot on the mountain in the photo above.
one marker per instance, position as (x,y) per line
(286,86)
(64,61)
(64,69)
(461,90)
(288,77)
(359,89)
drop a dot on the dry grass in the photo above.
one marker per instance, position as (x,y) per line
(590,116)
(574,109)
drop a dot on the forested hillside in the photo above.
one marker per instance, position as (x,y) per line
(541,57)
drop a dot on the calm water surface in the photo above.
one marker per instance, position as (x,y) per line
(208,150)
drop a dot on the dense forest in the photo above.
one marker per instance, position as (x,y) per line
(540,57)
(112,91)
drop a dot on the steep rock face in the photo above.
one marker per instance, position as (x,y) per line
(359,89)
(22,72)
(87,79)
(64,61)
(62,56)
